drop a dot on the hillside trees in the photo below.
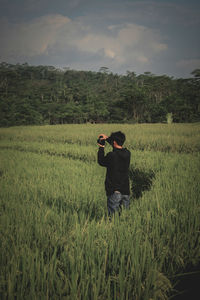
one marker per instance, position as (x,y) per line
(47,95)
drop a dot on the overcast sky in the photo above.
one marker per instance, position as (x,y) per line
(160,36)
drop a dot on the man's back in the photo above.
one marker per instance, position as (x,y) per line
(117,164)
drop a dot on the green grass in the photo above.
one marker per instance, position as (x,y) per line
(56,240)
(158,137)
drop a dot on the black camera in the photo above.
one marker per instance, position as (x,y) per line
(103,139)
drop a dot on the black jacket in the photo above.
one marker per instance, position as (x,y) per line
(117,175)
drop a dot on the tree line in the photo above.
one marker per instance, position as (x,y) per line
(47,95)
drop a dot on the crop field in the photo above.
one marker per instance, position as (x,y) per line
(56,239)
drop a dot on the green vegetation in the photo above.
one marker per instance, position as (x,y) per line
(56,240)
(45,95)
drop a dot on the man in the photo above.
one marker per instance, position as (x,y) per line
(117,176)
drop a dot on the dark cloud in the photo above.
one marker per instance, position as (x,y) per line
(160,36)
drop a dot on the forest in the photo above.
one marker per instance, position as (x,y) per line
(36,95)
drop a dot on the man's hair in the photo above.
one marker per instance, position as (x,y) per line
(118,137)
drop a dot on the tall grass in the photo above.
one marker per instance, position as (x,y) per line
(56,240)
(159,137)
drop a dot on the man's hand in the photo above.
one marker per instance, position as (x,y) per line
(102,140)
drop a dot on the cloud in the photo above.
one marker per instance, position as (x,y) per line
(132,42)
(159,12)
(51,34)
(30,38)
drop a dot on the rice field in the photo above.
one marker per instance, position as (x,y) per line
(56,239)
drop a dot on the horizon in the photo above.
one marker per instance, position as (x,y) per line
(65,69)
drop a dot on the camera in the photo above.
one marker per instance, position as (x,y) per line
(104,138)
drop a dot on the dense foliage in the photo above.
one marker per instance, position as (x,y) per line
(46,95)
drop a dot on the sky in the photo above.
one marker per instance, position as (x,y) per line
(157,36)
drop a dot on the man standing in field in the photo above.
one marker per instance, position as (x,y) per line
(117,176)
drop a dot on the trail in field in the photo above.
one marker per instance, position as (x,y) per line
(188,285)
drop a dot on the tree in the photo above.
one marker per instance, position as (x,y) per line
(133,101)
(45,94)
